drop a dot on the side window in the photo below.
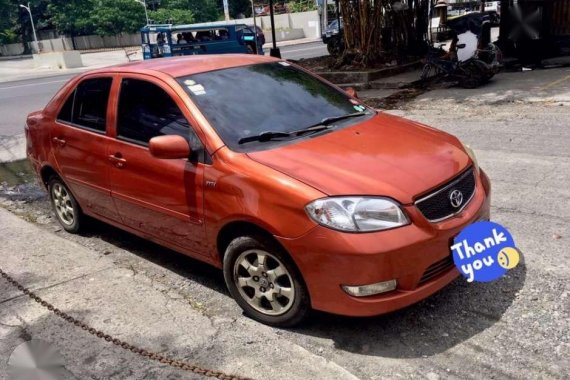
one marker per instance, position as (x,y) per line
(146,111)
(86,106)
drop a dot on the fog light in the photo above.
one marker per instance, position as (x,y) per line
(370,290)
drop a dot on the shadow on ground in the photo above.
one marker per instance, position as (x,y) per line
(448,318)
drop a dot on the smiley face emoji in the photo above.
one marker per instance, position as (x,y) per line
(508,258)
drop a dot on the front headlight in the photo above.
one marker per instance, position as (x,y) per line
(471,155)
(357,214)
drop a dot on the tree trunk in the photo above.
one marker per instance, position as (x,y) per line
(377,31)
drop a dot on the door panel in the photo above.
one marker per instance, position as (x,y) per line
(80,146)
(163,198)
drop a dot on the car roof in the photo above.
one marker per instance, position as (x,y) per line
(187,65)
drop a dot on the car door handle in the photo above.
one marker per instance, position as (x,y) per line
(60,142)
(118,160)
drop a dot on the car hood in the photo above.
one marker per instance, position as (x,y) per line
(385,155)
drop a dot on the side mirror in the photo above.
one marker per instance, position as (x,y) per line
(351,92)
(169,147)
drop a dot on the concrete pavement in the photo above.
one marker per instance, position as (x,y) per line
(91,287)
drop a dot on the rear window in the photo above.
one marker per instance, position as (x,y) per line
(248,100)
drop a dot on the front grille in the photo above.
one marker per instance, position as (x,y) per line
(437,268)
(437,205)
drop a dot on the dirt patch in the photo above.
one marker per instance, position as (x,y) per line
(16,173)
(395,101)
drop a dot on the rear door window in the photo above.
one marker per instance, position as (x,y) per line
(86,106)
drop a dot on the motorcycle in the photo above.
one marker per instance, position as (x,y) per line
(472,59)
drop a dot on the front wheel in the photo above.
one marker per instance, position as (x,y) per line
(335,46)
(264,281)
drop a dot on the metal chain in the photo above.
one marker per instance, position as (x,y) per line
(181,364)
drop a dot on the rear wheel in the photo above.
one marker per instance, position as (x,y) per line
(67,210)
(264,281)
(429,71)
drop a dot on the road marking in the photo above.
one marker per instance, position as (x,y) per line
(33,84)
(552,84)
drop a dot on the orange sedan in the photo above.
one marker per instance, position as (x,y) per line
(305,197)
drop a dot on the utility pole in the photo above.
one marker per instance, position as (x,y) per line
(226,10)
(33,26)
(274,51)
(143,3)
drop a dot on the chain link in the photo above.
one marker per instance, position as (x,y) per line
(181,364)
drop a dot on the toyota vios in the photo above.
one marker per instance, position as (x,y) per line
(304,196)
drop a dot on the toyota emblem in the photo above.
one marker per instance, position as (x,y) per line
(456,198)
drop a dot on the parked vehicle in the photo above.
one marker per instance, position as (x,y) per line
(174,40)
(302,195)
(333,37)
(260,34)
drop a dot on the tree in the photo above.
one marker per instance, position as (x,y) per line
(382,30)
(72,16)
(202,10)
(7,22)
(111,17)
(171,16)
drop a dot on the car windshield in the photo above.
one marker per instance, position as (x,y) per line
(271,98)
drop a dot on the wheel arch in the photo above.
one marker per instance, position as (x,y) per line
(46,172)
(237,228)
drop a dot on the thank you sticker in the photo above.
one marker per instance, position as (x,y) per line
(484,251)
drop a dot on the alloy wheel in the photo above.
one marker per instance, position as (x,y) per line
(62,204)
(264,282)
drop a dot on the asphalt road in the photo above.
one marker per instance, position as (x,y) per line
(19,98)
(310,50)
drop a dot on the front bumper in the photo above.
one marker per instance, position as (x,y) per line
(328,259)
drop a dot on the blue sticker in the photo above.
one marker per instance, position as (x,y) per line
(484,251)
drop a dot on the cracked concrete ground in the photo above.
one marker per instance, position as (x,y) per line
(516,327)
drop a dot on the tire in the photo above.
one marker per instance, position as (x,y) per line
(429,71)
(470,77)
(335,46)
(65,207)
(272,293)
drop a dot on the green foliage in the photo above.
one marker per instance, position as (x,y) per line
(171,16)
(7,19)
(72,16)
(238,7)
(202,10)
(301,5)
(111,17)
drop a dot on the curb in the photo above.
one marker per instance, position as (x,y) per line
(12,148)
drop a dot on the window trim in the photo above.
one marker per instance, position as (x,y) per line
(205,158)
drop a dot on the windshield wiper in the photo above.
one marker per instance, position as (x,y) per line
(326,122)
(332,119)
(320,126)
(264,136)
